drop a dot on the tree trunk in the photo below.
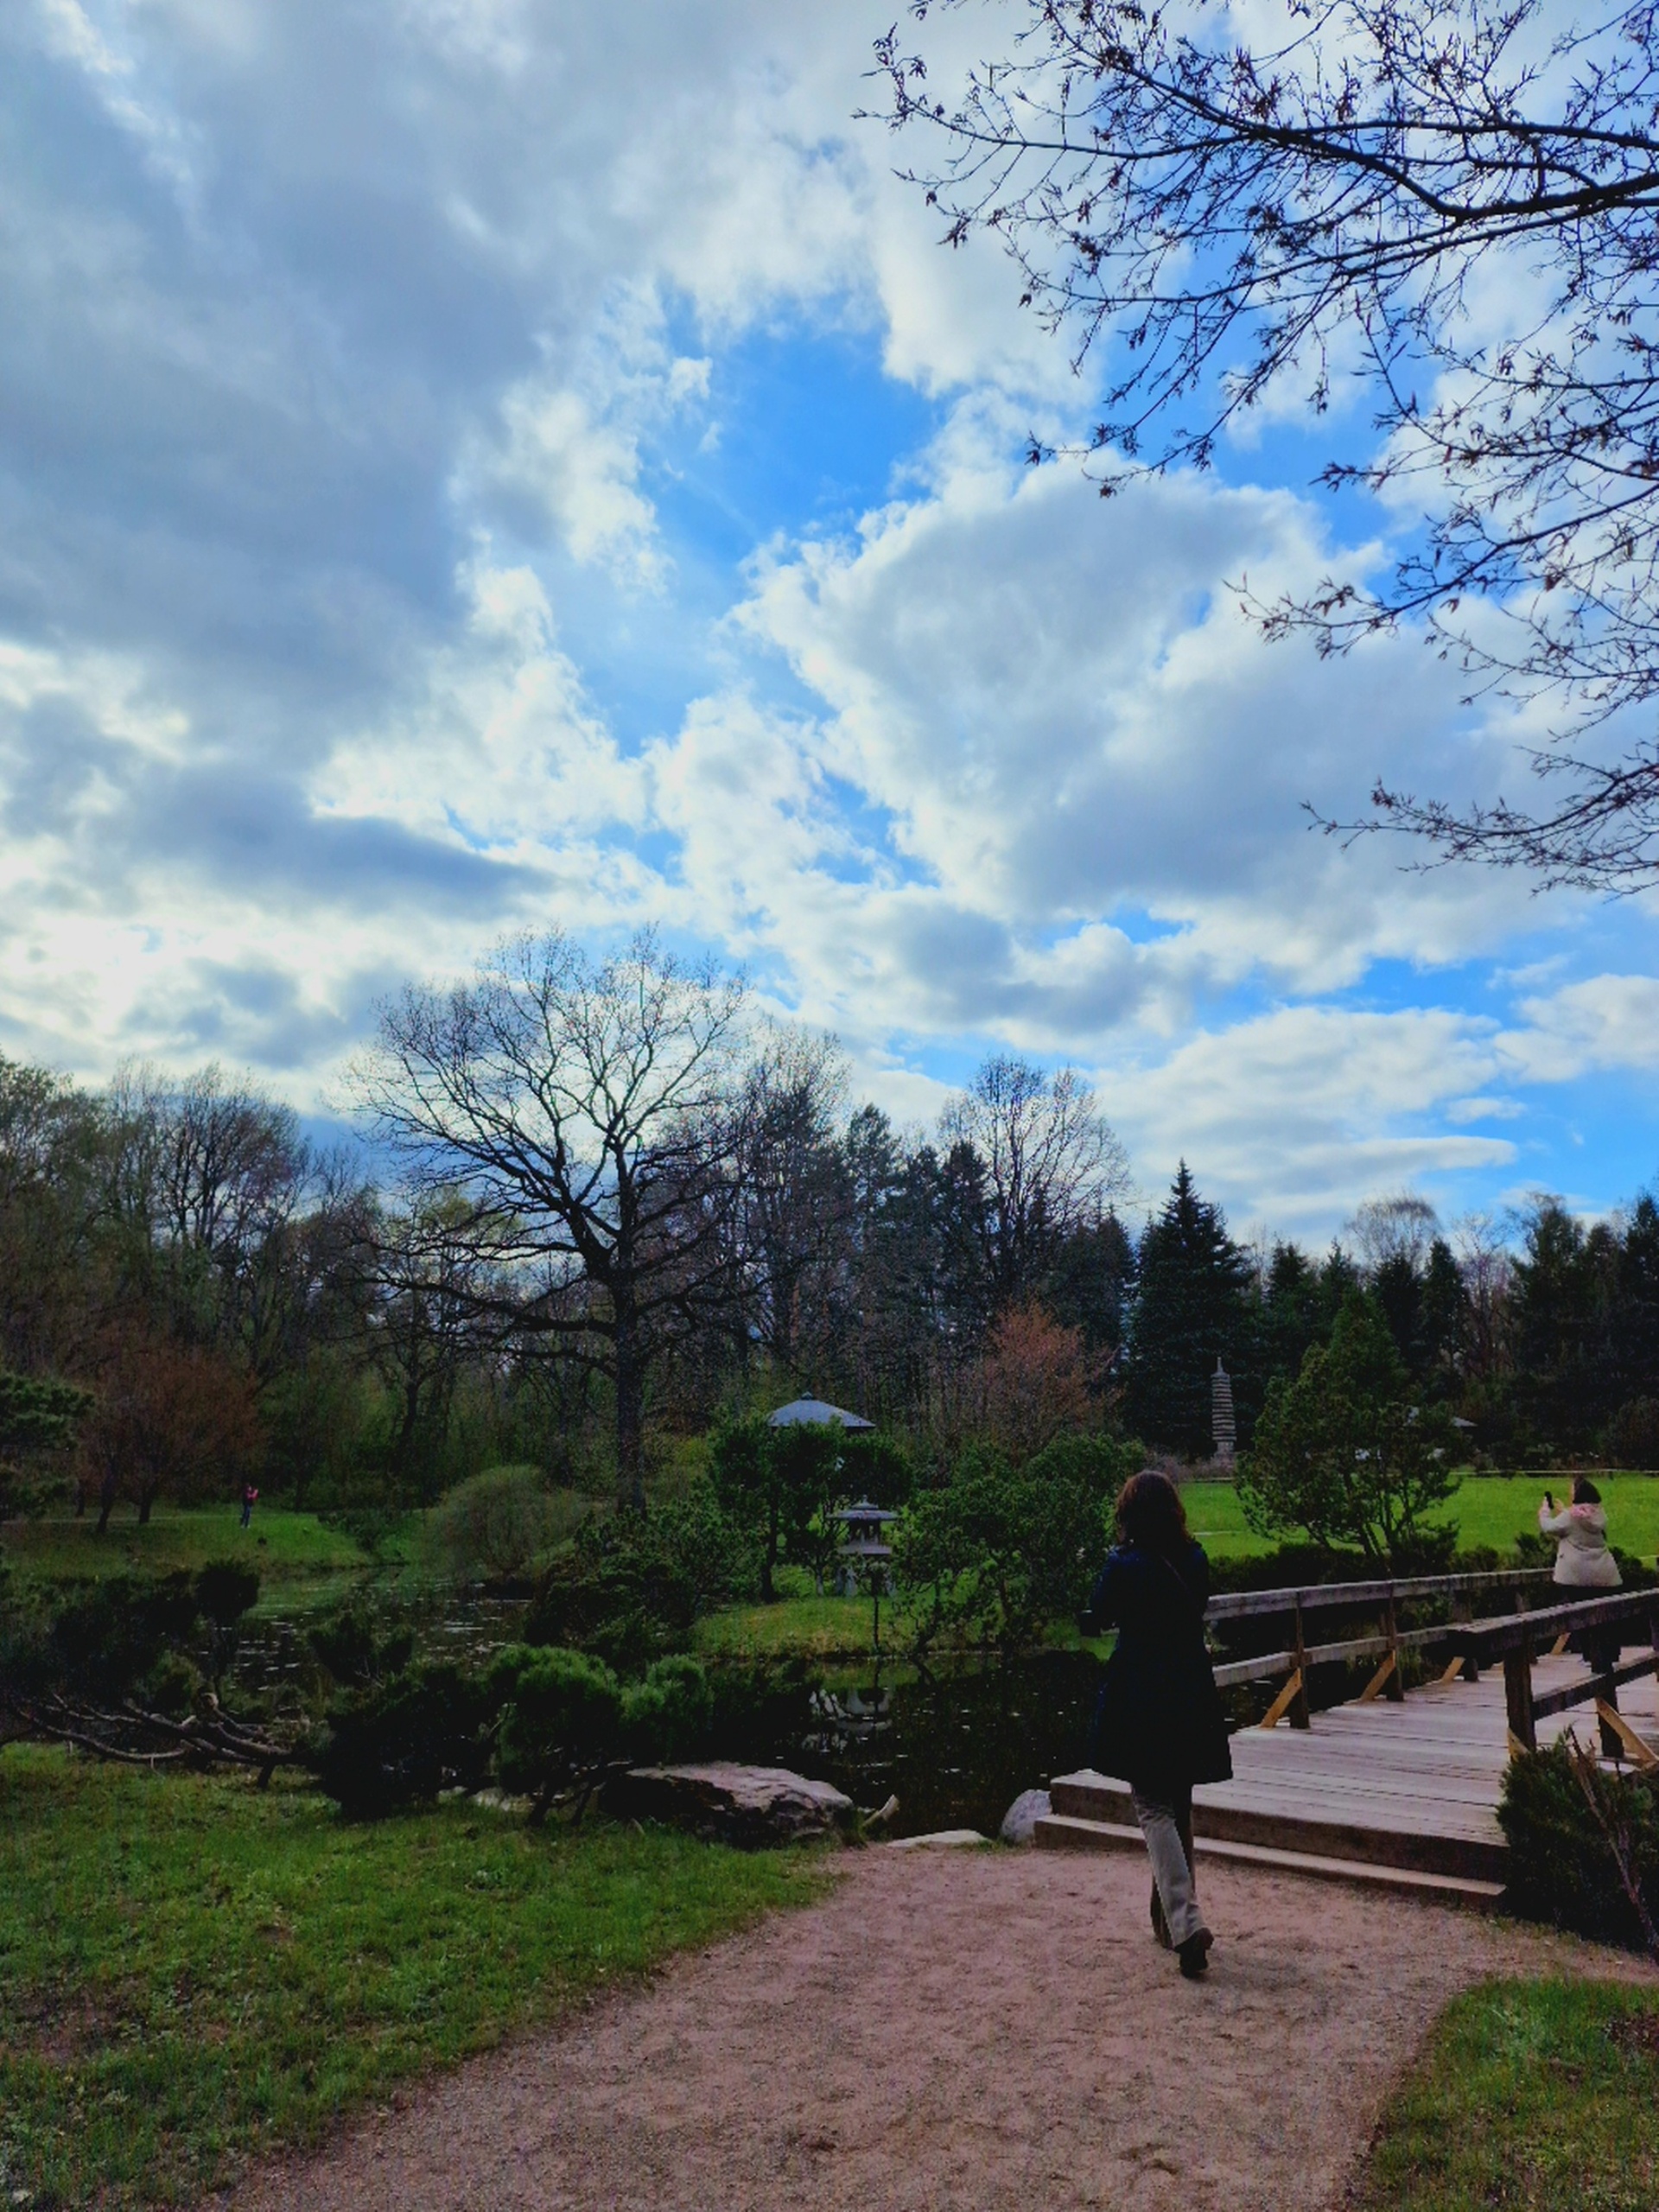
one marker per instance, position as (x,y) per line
(630,1413)
(146,1499)
(105,1503)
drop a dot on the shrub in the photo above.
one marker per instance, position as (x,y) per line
(401,1741)
(997,1555)
(561,1726)
(1563,1868)
(493,1527)
(226,1589)
(354,1649)
(105,1636)
(630,1587)
(669,1714)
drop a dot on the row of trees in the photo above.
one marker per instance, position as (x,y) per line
(615,1205)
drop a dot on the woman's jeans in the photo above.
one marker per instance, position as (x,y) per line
(1166,1823)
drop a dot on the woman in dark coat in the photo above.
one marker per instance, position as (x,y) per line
(1159,1724)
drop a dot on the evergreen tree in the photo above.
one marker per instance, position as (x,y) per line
(1445,1319)
(1294,1311)
(1193,1308)
(1397,1289)
(1636,1324)
(1091,1282)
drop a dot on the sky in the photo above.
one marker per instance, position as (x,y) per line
(468,465)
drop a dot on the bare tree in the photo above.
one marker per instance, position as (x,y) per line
(795,1193)
(1401,1227)
(1486,1265)
(1052,1166)
(581,1112)
(1234,213)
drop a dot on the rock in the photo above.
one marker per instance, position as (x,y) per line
(1019,1822)
(735,1804)
(940,1839)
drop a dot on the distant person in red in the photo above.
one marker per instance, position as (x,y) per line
(250,1499)
(1159,1725)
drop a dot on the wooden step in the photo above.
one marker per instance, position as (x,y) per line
(1063,1832)
(1307,1815)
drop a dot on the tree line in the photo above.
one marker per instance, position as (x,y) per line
(599,1202)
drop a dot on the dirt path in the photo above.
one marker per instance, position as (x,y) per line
(962,2030)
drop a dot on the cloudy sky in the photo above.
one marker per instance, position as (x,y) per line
(467,464)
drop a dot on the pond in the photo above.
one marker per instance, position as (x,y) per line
(956,1745)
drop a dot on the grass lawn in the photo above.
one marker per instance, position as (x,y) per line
(301,1562)
(798,1621)
(192,1973)
(1488,1509)
(1542,2094)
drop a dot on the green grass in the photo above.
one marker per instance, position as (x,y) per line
(192,1973)
(798,1621)
(1487,1509)
(301,1564)
(1525,2097)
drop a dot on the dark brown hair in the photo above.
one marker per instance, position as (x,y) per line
(1150,1514)
(1584,1491)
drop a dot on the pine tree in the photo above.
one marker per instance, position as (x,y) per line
(1193,1307)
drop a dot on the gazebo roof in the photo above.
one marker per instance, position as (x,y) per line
(800,1411)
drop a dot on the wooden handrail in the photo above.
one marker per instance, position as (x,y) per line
(1244,1605)
(1490,1639)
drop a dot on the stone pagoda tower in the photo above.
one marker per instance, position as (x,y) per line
(1223,1427)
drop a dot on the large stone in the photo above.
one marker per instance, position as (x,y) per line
(1019,1822)
(735,1804)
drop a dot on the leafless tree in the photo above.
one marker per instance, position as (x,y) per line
(1485,1263)
(795,1209)
(580,1110)
(1052,1166)
(1398,1228)
(1226,214)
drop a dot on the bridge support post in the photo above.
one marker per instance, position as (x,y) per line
(1300,1717)
(1517,1696)
(1394,1690)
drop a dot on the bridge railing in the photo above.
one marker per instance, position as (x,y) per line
(1384,1597)
(1518,1639)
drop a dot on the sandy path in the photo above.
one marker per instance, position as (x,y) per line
(962,2030)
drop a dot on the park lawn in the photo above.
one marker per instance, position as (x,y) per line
(300,1560)
(1488,1509)
(798,1621)
(1542,2094)
(193,1974)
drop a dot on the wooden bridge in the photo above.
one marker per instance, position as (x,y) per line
(1398,1789)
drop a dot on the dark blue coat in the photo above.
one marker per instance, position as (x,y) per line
(1159,1724)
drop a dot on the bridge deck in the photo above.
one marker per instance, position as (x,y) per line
(1413,1786)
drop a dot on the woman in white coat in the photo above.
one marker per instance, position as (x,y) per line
(1584,1562)
(1582,1559)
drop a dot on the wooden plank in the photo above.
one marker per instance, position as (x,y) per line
(1582,1693)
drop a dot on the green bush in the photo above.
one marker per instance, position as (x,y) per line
(355,1646)
(630,1587)
(103,1638)
(1563,1868)
(400,1742)
(670,1714)
(561,1726)
(995,1554)
(495,1526)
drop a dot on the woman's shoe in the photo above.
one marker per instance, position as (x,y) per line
(1194,1955)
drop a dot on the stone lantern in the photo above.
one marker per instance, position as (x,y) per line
(865,1547)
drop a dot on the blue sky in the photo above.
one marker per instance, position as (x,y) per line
(434,502)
